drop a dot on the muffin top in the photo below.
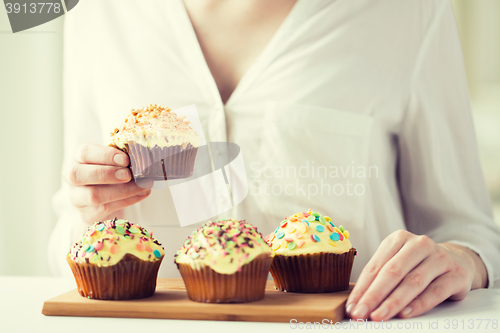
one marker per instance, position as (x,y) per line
(106,243)
(155,125)
(306,233)
(224,245)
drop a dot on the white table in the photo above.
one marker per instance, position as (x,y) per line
(21,301)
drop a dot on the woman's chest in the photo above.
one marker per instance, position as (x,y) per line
(231,35)
(320,59)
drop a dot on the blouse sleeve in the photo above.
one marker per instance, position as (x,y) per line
(442,186)
(81,125)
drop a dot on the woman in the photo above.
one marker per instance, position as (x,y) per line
(375,89)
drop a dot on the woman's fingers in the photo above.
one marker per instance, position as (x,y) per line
(455,284)
(409,275)
(89,174)
(95,195)
(91,153)
(413,252)
(102,212)
(435,293)
(96,164)
(413,284)
(101,183)
(387,249)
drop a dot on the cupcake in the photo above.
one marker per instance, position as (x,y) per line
(116,260)
(312,255)
(224,262)
(161,144)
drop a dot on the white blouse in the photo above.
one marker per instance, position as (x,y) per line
(355,109)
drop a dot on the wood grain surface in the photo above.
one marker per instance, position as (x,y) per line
(171,302)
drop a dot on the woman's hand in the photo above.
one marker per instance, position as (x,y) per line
(409,275)
(100,182)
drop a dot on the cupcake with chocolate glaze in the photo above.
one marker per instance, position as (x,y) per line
(225,261)
(116,260)
(312,254)
(161,145)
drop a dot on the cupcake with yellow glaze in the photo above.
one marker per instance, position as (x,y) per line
(161,144)
(116,260)
(312,254)
(225,261)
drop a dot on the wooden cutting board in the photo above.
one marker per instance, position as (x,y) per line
(171,302)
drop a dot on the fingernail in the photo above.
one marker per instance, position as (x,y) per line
(349,308)
(406,311)
(143,194)
(381,312)
(120,159)
(122,174)
(360,311)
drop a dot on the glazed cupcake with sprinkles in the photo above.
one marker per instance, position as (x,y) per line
(312,254)
(225,261)
(116,260)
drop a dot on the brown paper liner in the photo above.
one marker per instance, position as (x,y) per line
(208,286)
(161,163)
(130,278)
(313,273)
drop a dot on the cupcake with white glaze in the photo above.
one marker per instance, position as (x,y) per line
(225,261)
(161,144)
(116,260)
(312,254)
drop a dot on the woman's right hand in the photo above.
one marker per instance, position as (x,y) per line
(100,182)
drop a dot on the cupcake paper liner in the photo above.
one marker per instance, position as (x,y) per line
(313,273)
(130,278)
(161,163)
(208,286)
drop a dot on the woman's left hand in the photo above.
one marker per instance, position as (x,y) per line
(409,275)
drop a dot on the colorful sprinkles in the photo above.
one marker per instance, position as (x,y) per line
(112,239)
(334,236)
(320,228)
(230,242)
(296,231)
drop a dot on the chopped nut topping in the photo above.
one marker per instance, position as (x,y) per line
(150,118)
